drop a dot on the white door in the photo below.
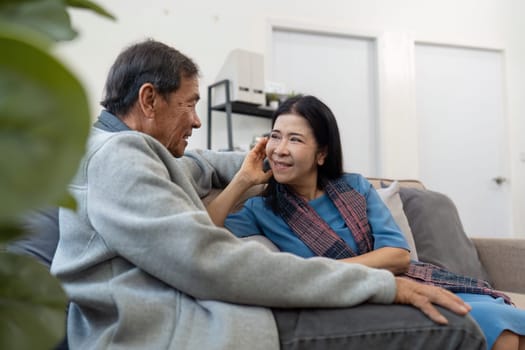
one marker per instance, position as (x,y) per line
(463,149)
(341,71)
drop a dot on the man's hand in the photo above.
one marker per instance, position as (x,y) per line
(252,170)
(424,296)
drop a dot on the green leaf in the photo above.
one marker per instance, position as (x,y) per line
(44,124)
(67,201)
(9,231)
(16,29)
(32,304)
(90,5)
(48,17)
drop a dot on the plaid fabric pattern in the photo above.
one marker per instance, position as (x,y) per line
(430,274)
(352,207)
(304,221)
(310,227)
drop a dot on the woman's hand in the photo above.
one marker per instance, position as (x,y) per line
(252,169)
(251,173)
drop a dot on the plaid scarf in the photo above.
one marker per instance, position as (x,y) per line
(304,221)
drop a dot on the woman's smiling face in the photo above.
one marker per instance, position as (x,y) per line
(293,152)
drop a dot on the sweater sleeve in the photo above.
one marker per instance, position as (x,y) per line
(141,202)
(210,168)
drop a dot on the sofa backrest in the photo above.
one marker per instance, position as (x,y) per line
(429,220)
(379,182)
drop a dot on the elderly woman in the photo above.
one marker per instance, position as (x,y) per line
(311,208)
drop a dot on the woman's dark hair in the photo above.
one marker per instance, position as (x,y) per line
(326,133)
(147,62)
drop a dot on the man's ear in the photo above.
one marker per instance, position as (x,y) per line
(147,96)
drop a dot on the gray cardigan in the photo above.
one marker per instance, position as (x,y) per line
(145,267)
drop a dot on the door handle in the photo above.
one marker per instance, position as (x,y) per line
(499,180)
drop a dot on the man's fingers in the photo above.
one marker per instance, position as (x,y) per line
(450,301)
(428,309)
(423,297)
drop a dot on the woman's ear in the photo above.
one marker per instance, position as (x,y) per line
(321,156)
(147,95)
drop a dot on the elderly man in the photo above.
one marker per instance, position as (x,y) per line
(146,268)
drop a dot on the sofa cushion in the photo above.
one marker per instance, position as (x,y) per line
(438,232)
(390,195)
(518,299)
(41,238)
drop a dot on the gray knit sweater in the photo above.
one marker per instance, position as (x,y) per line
(146,268)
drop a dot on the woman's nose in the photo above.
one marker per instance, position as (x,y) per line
(281,147)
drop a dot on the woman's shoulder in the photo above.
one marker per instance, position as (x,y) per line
(255,202)
(356,181)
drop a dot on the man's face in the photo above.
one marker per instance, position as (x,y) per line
(176,116)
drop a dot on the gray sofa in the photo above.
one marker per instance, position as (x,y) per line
(428,219)
(439,238)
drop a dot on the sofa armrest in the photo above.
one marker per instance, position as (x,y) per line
(503,260)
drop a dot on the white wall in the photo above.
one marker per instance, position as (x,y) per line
(208,30)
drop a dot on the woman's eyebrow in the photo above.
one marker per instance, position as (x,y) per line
(293,133)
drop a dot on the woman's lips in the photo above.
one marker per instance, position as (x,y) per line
(280,165)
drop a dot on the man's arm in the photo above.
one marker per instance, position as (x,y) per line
(211,168)
(144,209)
(142,204)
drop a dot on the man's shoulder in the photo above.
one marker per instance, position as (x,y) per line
(101,139)
(99,136)
(124,147)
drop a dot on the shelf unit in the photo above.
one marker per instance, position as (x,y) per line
(230,107)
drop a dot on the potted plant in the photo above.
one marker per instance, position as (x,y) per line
(272,100)
(44,123)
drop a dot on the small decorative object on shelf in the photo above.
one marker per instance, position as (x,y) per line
(229,107)
(272,100)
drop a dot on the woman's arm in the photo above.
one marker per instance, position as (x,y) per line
(390,251)
(251,173)
(396,260)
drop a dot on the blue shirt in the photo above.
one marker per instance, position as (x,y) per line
(256,218)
